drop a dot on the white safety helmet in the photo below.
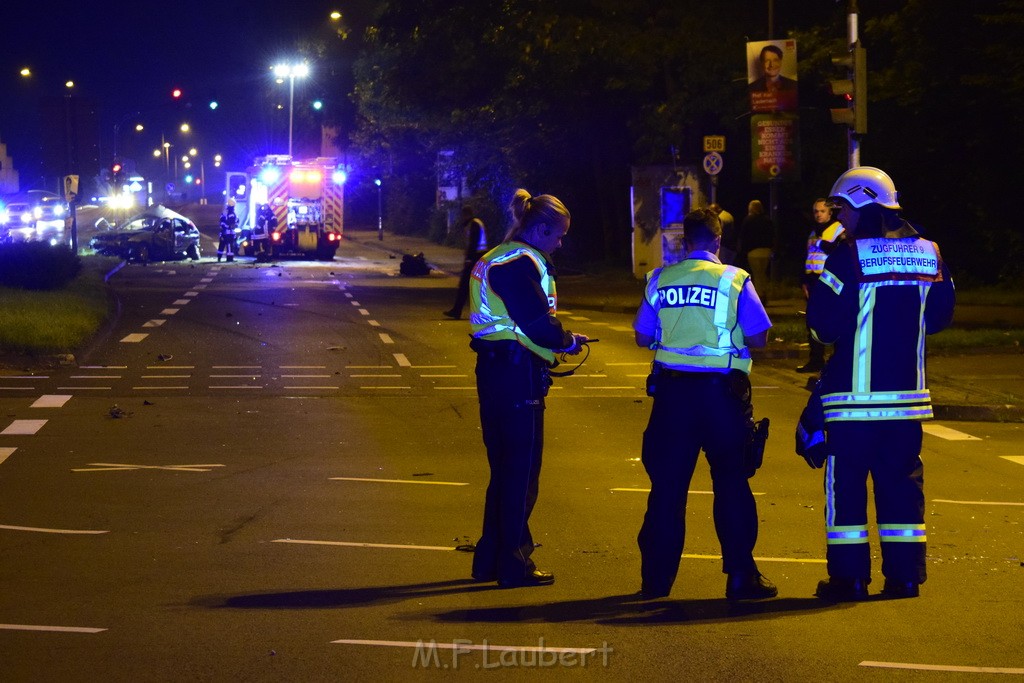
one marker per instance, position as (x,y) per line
(866,185)
(231,201)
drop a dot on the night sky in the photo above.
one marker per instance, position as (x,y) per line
(126,57)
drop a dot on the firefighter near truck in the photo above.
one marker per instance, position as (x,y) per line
(295,207)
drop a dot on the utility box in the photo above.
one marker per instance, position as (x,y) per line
(661,198)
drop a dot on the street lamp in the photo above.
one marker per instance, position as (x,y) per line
(291,72)
(380,216)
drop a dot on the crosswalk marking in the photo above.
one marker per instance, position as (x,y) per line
(134,338)
(51,401)
(6,452)
(23,427)
(947,433)
(1019,459)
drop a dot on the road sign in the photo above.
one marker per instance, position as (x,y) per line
(70,188)
(714,143)
(713,163)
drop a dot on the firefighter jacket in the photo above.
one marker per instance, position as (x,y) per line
(489,316)
(819,247)
(697,304)
(876,299)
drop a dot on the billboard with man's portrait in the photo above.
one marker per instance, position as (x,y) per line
(772,76)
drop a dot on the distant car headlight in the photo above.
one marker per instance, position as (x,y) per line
(37,212)
(58,210)
(4,217)
(26,217)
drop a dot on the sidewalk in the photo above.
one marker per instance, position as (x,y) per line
(982,387)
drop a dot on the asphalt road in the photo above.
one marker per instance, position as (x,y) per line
(263,473)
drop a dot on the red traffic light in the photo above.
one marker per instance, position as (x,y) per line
(116,168)
(176,93)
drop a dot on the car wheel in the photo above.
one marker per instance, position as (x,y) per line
(192,252)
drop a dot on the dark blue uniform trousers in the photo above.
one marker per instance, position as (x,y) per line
(890,451)
(511,384)
(691,412)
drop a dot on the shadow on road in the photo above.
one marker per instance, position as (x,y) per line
(347,597)
(627,610)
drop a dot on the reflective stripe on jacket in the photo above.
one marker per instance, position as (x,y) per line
(697,303)
(489,317)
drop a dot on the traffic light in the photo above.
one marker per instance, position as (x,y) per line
(117,173)
(854,88)
(176,93)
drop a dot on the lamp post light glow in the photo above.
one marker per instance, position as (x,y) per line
(291,72)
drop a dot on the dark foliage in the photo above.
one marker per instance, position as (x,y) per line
(37,265)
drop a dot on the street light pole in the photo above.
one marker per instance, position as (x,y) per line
(291,72)
(380,214)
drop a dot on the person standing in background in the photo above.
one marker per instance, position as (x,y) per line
(475,234)
(756,240)
(820,243)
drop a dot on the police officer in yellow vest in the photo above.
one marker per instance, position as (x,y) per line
(701,318)
(516,337)
(820,243)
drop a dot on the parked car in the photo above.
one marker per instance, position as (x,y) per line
(48,210)
(156,234)
(17,223)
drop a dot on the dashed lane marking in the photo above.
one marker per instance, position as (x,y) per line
(192,294)
(23,427)
(1019,459)
(165,376)
(363,311)
(619,328)
(455,388)
(975,502)
(355,303)
(154,323)
(947,433)
(402,361)
(944,667)
(96,377)
(134,338)
(6,452)
(310,388)
(181,302)
(154,388)
(365,545)
(364,376)
(117,467)
(84,388)
(443,375)
(53,629)
(461,646)
(43,530)
(386,338)
(174,367)
(373,323)
(401,481)
(51,401)
(169,311)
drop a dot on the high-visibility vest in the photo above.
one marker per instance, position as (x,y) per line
(489,317)
(697,303)
(816,255)
(878,373)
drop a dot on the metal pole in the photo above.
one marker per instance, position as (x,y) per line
(853,139)
(380,216)
(291,110)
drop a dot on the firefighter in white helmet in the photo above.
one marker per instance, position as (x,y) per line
(228,232)
(880,293)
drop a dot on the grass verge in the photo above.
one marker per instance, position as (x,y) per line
(59,321)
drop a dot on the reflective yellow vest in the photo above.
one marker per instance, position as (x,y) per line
(489,316)
(697,303)
(816,255)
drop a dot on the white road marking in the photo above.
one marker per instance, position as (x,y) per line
(207,279)
(301,367)
(454,388)
(945,667)
(300,376)
(55,629)
(84,388)
(181,302)
(373,323)
(235,386)
(102,367)
(173,367)
(363,311)
(116,466)
(699,493)
(95,377)
(310,388)
(385,387)
(401,481)
(153,388)
(355,303)
(975,502)
(374,375)
(6,452)
(386,338)
(192,294)
(156,322)
(39,530)
(367,367)
(619,328)
(238,367)
(444,375)
(349,294)
(169,311)
(799,560)
(1019,459)
(947,433)
(24,427)
(618,388)
(235,376)
(366,545)
(402,361)
(165,376)
(51,401)
(432,367)
(465,647)
(134,338)
(19,388)
(578,317)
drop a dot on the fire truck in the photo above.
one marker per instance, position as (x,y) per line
(305,197)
